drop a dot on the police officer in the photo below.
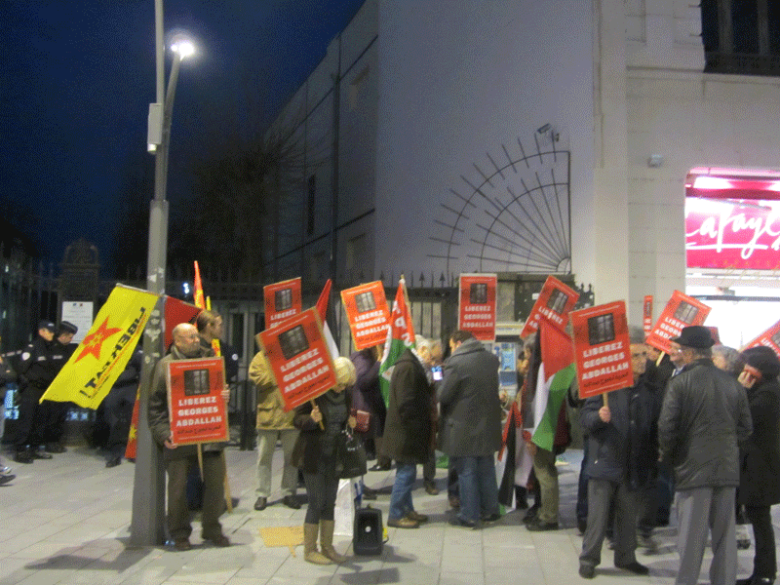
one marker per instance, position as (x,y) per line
(56,413)
(36,372)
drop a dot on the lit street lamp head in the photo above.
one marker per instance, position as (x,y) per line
(183,46)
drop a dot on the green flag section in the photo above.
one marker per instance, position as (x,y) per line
(400,335)
(556,373)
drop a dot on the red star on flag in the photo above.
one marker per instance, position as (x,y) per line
(93,343)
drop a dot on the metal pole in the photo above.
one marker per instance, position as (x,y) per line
(147,527)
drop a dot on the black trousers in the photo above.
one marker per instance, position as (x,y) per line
(32,421)
(321,488)
(765,560)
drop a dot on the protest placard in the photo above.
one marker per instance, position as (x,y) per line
(681,311)
(602,349)
(367,313)
(196,408)
(282,300)
(299,358)
(769,338)
(477,305)
(554,302)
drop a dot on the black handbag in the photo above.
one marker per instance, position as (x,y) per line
(352,456)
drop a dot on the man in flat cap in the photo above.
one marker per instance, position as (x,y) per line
(36,372)
(705,415)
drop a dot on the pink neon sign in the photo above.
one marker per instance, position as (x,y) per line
(729,233)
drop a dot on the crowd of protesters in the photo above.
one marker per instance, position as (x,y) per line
(702,422)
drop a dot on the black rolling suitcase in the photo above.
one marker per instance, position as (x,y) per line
(368,532)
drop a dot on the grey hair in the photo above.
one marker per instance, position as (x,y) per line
(734,360)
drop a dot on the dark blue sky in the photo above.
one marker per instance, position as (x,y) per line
(78,77)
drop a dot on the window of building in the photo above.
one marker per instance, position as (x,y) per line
(356,87)
(354,249)
(311,205)
(741,36)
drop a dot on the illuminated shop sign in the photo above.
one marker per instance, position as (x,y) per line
(732,222)
(732,234)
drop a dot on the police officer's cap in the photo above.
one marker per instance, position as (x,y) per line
(48,325)
(67,327)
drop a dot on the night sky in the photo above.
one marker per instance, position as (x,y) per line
(78,77)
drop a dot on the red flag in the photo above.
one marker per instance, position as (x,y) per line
(200,300)
(322,302)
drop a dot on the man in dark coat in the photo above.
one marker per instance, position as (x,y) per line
(179,459)
(705,415)
(471,427)
(407,433)
(621,450)
(36,372)
(759,481)
(56,413)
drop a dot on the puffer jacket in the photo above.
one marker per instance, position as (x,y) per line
(705,415)
(624,449)
(270,406)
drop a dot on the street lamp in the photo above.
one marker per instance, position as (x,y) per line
(147,526)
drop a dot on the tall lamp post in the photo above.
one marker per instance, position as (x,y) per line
(147,525)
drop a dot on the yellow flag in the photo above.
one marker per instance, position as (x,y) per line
(102,356)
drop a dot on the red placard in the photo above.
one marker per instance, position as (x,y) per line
(770,338)
(681,311)
(299,358)
(282,301)
(367,313)
(602,348)
(477,305)
(196,408)
(554,302)
(647,314)
(728,233)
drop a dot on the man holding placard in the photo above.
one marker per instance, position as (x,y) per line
(179,458)
(620,427)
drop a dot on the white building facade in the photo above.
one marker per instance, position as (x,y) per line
(516,137)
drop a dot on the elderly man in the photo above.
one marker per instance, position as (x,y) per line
(471,426)
(621,452)
(705,415)
(178,459)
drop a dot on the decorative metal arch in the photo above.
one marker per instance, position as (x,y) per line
(514,217)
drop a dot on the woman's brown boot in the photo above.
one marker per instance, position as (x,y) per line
(326,541)
(310,552)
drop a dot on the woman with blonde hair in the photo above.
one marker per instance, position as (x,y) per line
(321,422)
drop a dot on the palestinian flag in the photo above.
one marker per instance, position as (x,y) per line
(400,336)
(556,373)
